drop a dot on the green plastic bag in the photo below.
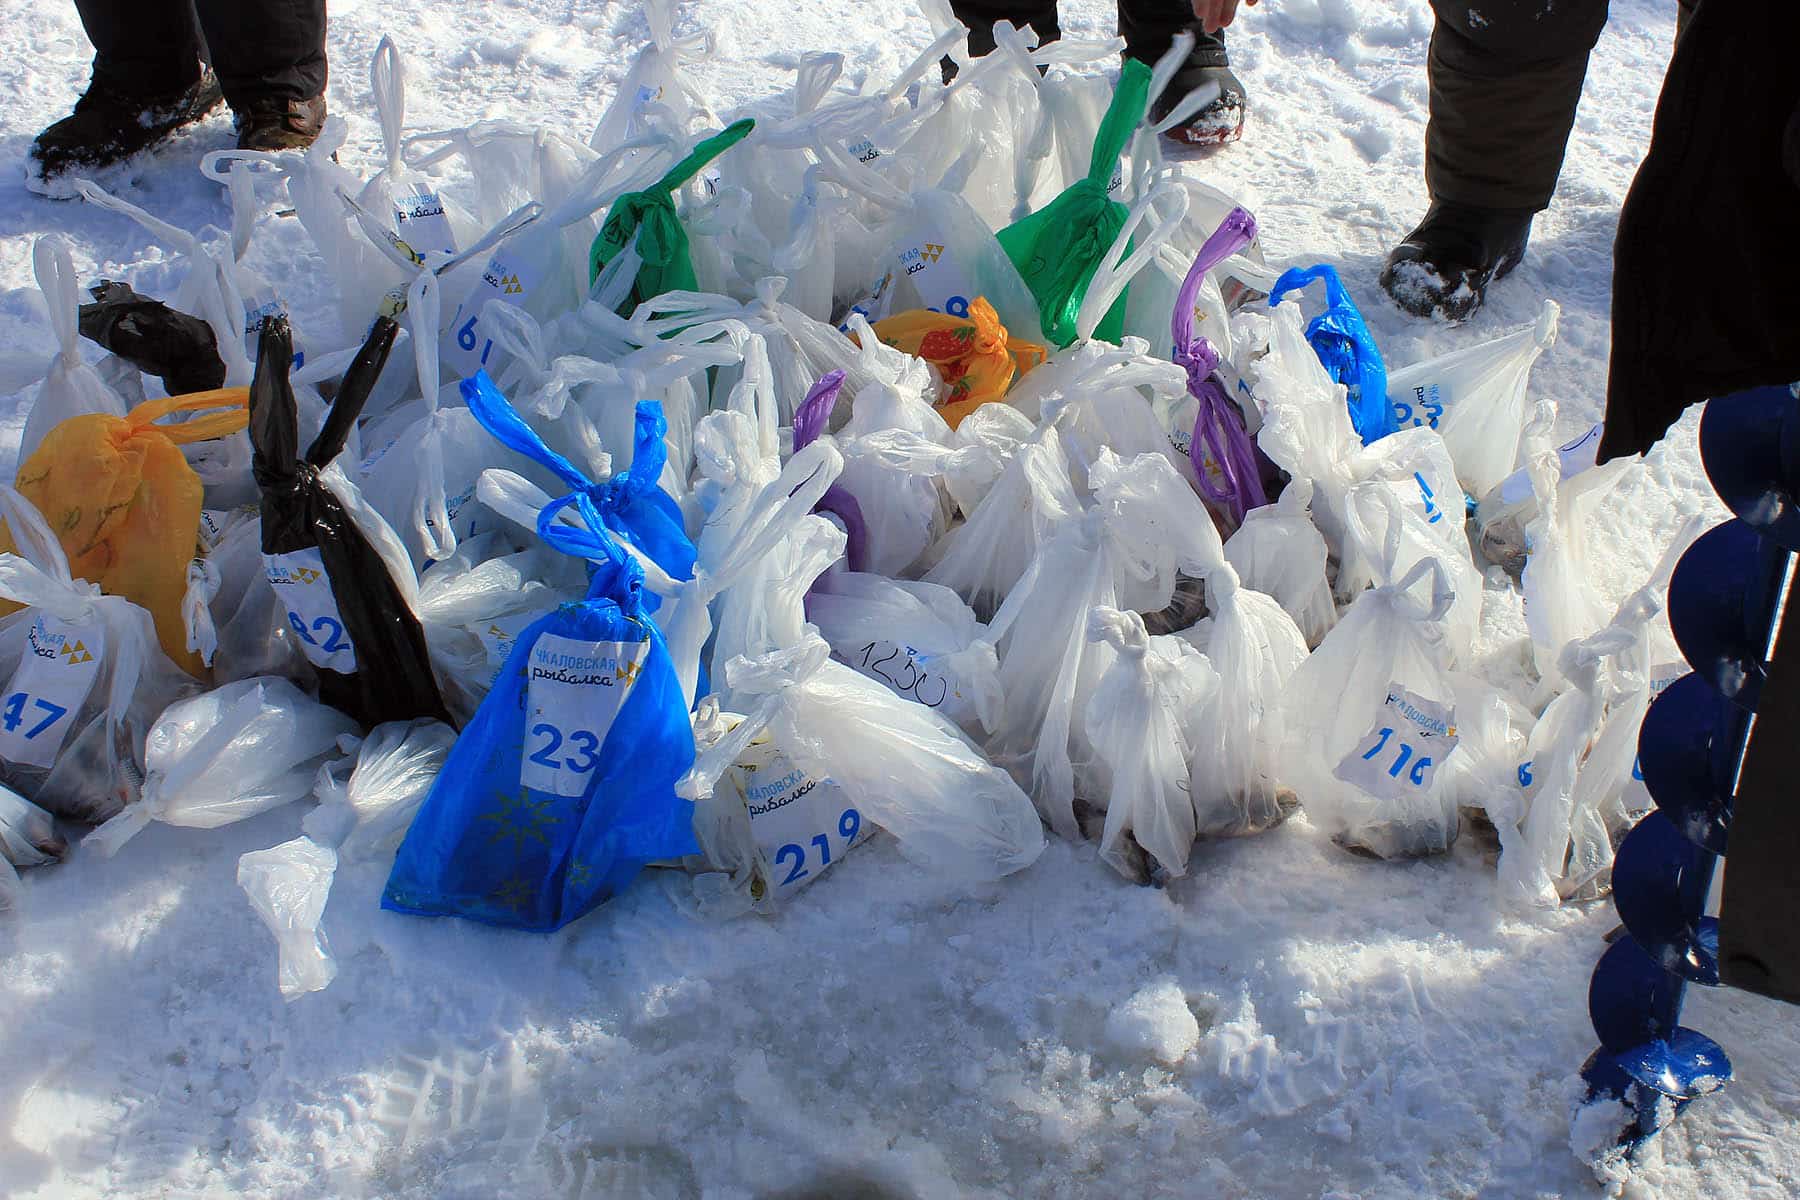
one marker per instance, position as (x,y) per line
(1058,248)
(650,215)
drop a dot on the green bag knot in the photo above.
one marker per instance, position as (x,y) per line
(650,216)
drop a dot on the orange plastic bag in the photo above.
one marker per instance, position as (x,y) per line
(125,503)
(976,359)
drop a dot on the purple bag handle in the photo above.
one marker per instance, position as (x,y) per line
(809,423)
(1218,429)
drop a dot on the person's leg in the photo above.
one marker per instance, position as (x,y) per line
(1148,27)
(266,49)
(143,47)
(270,59)
(148,82)
(980,15)
(1505,82)
(1500,119)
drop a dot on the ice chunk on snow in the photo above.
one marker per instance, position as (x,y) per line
(1156,1021)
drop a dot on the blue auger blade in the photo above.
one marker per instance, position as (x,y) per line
(1647,879)
(1658,1078)
(1619,996)
(1687,1065)
(1677,761)
(1719,583)
(1750,443)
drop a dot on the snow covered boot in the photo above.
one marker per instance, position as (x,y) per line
(276,123)
(110,125)
(1219,121)
(1444,266)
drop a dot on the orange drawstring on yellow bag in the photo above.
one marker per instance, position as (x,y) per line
(125,504)
(973,355)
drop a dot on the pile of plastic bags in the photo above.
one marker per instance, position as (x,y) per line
(708,497)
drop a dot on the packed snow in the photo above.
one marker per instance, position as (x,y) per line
(1287,1020)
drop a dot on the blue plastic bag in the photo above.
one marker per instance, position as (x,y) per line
(632,504)
(1347,348)
(563,786)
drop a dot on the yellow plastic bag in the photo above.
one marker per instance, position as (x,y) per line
(973,355)
(125,504)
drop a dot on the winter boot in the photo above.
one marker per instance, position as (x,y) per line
(276,123)
(110,125)
(1219,121)
(1445,265)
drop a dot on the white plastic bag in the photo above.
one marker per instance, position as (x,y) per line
(1146,527)
(1571,798)
(287,886)
(1138,719)
(1358,489)
(473,606)
(246,748)
(85,678)
(1562,580)
(766,826)
(71,388)
(919,639)
(366,804)
(28,838)
(903,512)
(1278,551)
(1371,719)
(1475,398)
(1238,782)
(904,767)
(983,559)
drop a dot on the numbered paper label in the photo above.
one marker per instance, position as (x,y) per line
(915,675)
(574,692)
(1404,750)
(58,669)
(802,825)
(925,258)
(422,223)
(466,345)
(304,591)
(1423,405)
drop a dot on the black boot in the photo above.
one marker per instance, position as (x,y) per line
(279,124)
(1443,268)
(110,125)
(1219,121)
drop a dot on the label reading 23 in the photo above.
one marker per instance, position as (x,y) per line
(575,689)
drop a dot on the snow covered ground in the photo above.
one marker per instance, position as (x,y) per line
(1288,1021)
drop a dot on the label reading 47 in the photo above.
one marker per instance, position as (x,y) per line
(57,670)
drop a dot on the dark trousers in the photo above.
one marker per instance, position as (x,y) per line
(260,49)
(1148,26)
(1505,79)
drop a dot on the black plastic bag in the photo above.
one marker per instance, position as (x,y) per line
(339,595)
(154,338)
